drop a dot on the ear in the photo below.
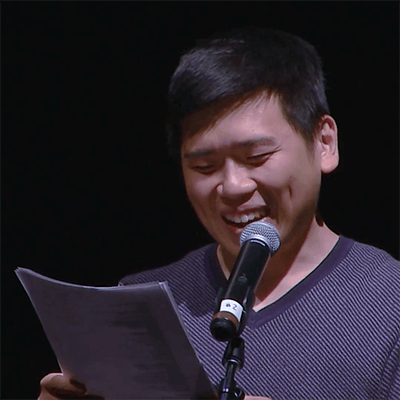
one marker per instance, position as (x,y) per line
(327,140)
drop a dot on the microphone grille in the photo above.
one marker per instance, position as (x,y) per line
(267,232)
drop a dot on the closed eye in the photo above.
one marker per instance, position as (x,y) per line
(204,169)
(258,157)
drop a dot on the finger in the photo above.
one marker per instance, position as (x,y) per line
(58,384)
(45,395)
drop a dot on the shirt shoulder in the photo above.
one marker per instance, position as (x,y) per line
(191,267)
(374,266)
(189,279)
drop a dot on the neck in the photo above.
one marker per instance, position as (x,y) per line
(294,260)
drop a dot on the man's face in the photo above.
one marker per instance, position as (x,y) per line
(251,165)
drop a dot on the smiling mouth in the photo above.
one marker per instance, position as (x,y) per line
(242,220)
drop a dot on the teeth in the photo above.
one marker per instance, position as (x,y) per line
(242,219)
(237,219)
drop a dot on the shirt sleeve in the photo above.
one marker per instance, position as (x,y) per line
(390,383)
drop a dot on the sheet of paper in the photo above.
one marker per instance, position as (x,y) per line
(123,342)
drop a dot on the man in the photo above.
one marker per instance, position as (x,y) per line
(250,126)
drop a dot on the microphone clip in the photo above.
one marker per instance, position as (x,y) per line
(230,317)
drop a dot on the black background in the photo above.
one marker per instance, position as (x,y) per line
(89,194)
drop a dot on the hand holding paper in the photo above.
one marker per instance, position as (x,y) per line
(124,342)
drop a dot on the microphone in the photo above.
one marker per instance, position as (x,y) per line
(259,241)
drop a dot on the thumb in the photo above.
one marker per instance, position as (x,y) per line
(56,386)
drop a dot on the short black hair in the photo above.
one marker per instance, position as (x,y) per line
(237,65)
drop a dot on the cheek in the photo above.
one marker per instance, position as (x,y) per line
(292,170)
(273,177)
(289,183)
(300,195)
(199,191)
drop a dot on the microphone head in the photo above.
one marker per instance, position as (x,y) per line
(262,231)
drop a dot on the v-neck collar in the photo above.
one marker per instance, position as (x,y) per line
(257,318)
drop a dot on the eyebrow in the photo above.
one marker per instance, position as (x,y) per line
(265,140)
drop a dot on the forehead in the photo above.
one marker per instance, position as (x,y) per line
(259,122)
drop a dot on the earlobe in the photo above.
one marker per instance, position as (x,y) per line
(329,144)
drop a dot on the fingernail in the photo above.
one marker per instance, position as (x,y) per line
(80,385)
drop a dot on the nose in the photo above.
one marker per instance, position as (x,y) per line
(236,186)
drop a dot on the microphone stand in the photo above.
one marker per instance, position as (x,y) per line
(233,360)
(258,241)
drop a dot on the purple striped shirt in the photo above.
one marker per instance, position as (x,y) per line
(334,336)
